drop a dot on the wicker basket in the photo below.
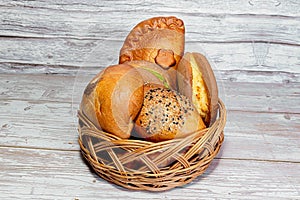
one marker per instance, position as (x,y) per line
(142,165)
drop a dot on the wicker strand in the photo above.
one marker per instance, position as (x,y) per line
(142,165)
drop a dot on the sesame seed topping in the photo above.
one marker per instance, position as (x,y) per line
(164,111)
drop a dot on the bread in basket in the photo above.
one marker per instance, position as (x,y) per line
(127,131)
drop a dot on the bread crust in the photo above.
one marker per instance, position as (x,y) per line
(152,73)
(197,81)
(113,99)
(166,115)
(158,40)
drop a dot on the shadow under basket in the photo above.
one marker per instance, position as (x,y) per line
(141,165)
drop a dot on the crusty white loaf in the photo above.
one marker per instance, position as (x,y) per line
(113,99)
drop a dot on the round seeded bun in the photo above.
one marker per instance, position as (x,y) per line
(113,99)
(158,40)
(165,115)
(196,80)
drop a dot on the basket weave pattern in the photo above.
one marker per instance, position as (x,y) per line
(142,165)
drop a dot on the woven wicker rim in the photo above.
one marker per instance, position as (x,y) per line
(187,158)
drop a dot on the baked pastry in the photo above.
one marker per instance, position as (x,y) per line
(197,81)
(165,115)
(113,99)
(152,73)
(158,40)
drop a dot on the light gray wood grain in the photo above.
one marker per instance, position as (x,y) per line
(52,125)
(230,21)
(42,174)
(268,122)
(244,91)
(254,56)
(273,7)
(49,50)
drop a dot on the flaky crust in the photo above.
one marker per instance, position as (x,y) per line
(197,81)
(113,99)
(158,40)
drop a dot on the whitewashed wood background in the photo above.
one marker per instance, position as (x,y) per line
(50,49)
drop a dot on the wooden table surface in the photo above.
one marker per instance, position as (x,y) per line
(49,50)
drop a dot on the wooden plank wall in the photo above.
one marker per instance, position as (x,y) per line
(49,50)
